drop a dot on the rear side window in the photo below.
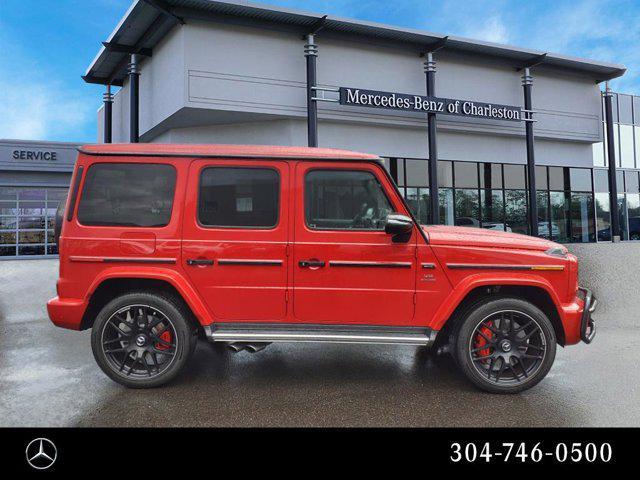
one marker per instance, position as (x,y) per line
(239,197)
(345,200)
(128,195)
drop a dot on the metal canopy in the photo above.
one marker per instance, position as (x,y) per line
(148,21)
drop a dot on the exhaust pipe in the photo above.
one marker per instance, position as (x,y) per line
(237,347)
(255,347)
(249,347)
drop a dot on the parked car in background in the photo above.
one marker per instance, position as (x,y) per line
(543,230)
(250,245)
(473,222)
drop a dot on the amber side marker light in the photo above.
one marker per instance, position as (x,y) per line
(548,267)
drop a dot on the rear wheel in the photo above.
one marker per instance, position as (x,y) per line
(142,339)
(505,345)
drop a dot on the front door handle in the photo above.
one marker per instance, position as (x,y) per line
(311,263)
(199,261)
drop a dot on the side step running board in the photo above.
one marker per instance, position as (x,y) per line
(238,332)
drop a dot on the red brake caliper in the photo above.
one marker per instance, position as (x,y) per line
(166,337)
(481,341)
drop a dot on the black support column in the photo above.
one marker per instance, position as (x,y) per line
(611,156)
(393,169)
(108,116)
(430,71)
(527,84)
(134,99)
(311,53)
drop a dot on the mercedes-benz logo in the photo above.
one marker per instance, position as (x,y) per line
(41,453)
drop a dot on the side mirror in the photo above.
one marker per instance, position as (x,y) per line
(400,226)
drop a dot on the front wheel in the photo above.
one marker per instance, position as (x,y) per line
(142,339)
(505,345)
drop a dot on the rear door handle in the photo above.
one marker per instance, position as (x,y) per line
(311,263)
(199,261)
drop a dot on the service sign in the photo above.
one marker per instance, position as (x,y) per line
(418,103)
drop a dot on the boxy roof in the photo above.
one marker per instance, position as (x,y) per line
(148,21)
(222,151)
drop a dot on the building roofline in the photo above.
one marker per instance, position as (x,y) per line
(35,143)
(146,22)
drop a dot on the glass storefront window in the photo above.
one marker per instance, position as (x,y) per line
(557,178)
(490,175)
(626,146)
(465,174)
(541,178)
(616,142)
(417,173)
(619,180)
(467,207)
(572,203)
(603,216)
(400,172)
(516,210)
(601,180)
(631,182)
(622,216)
(580,179)
(418,201)
(445,174)
(558,216)
(582,220)
(514,176)
(445,200)
(598,154)
(633,215)
(542,202)
(492,202)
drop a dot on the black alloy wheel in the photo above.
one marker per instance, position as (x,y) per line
(142,339)
(139,341)
(505,345)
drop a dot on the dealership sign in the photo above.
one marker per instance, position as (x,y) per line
(418,103)
(35,155)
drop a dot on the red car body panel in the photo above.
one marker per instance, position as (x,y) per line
(440,265)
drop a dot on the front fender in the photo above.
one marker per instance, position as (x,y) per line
(469,283)
(170,276)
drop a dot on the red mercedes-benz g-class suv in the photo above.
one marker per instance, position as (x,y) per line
(250,245)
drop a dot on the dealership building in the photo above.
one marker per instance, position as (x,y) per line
(479,122)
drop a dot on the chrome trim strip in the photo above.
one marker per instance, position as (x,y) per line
(480,266)
(83,259)
(340,263)
(429,266)
(241,261)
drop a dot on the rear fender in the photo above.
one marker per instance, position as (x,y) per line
(172,277)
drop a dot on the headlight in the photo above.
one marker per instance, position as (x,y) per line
(559,251)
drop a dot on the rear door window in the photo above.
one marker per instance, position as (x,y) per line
(237,197)
(127,195)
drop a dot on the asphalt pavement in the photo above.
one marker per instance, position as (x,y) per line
(48,377)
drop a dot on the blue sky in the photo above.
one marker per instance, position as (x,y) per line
(47,44)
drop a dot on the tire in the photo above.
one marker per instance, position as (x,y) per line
(142,339)
(504,345)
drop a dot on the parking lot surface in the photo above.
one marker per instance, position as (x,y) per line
(48,377)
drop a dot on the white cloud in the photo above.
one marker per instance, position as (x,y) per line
(39,111)
(491,30)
